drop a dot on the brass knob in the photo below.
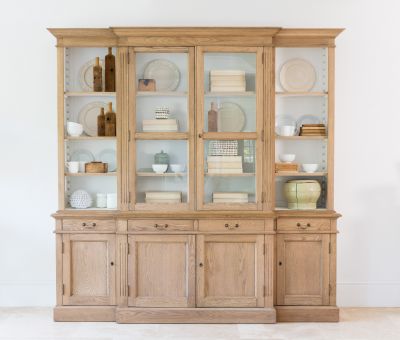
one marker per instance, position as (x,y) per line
(93,224)
(200,135)
(308,225)
(280,263)
(226,225)
(166,226)
(298,224)
(156,226)
(200,264)
(237,225)
(112,263)
(83,224)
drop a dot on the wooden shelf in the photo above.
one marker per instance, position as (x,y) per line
(161,94)
(230,94)
(229,135)
(299,174)
(244,174)
(165,174)
(89,138)
(301,94)
(89,94)
(162,135)
(90,174)
(299,210)
(301,137)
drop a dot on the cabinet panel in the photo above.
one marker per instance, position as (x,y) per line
(88,269)
(303,269)
(161,271)
(230,270)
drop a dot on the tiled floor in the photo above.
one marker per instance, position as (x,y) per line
(356,323)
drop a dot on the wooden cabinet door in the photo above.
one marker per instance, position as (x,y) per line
(88,269)
(230,271)
(303,269)
(161,271)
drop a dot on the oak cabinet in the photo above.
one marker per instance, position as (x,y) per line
(161,271)
(303,269)
(230,271)
(88,269)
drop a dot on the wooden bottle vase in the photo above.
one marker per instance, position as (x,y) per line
(101,123)
(111,122)
(109,72)
(97,76)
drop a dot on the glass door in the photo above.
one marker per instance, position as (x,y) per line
(229,128)
(161,121)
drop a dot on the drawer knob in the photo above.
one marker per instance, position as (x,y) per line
(83,224)
(308,224)
(280,263)
(93,224)
(165,226)
(156,226)
(237,225)
(200,264)
(226,225)
(112,263)
(200,135)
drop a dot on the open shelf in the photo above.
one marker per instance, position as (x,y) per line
(244,174)
(230,94)
(299,210)
(301,137)
(165,174)
(161,93)
(90,138)
(90,174)
(89,94)
(300,174)
(301,94)
(162,135)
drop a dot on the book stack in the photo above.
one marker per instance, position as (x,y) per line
(163,197)
(224,164)
(282,167)
(227,81)
(230,197)
(164,125)
(313,130)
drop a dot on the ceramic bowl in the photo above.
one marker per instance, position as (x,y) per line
(286,130)
(287,157)
(177,167)
(159,168)
(74,129)
(309,168)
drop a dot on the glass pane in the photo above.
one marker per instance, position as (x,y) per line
(166,182)
(230,98)
(229,170)
(162,92)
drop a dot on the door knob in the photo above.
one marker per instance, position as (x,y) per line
(280,263)
(200,264)
(112,263)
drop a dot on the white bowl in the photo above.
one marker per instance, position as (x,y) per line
(74,129)
(177,167)
(310,168)
(287,157)
(286,130)
(159,168)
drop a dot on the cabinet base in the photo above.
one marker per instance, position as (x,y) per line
(196,315)
(84,313)
(307,314)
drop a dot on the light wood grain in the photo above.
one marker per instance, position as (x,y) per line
(331,127)
(307,314)
(84,313)
(60,126)
(92,225)
(160,225)
(231,225)
(303,224)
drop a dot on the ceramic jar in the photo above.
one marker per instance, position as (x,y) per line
(161,158)
(302,194)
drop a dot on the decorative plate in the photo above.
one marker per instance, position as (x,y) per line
(297,75)
(308,119)
(86,74)
(108,156)
(165,73)
(88,117)
(80,199)
(82,155)
(231,118)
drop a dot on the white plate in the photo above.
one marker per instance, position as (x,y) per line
(108,156)
(231,118)
(297,75)
(88,117)
(82,155)
(86,74)
(308,119)
(165,73)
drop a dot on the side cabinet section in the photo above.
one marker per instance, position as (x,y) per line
(88,269)
(161,270)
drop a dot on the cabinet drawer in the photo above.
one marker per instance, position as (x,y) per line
(303,224)
(160,225)
(88,225)
(231,225)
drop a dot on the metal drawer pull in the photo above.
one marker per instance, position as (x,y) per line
(230,227)
(303,226)
(87,225)
(83,224)
(160,226)
(200,264)
(112,263)
(93,224)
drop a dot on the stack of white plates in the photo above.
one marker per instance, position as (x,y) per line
(163,197)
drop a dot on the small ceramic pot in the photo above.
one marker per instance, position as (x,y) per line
(302,194)
(161,158)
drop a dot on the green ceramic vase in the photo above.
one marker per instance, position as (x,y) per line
(161,158)
(302,194)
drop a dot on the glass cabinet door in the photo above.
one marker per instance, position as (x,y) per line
(161,153)
(230,127)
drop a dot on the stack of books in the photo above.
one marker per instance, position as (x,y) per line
(230,197)
(163,125)
(227,81)
(224,164)
(282,167)
(163,197)
(313,130)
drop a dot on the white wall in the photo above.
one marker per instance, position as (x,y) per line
(368,121)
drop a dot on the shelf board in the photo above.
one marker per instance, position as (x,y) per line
(89,94)
(229,135)
(299,210)
(162,135)
(90,209)
(90,138)
(89,174)
(165,174)
(230,94)
(301,94)
(301,137)
(244,174)
(300,174)
(161,94)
